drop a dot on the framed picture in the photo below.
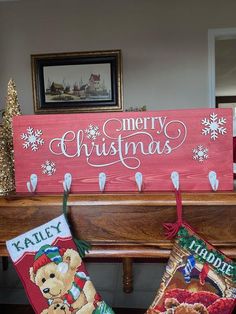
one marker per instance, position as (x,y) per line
(77,82)
(226,102)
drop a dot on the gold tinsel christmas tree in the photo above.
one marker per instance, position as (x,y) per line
(7,177)
(6,169)
(12,109)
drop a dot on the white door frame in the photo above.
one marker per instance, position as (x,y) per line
(213,34)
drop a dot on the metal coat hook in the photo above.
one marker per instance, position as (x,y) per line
(214,182)
(139,180)
(175,179)
(32,184)
(67,182)
(102,181)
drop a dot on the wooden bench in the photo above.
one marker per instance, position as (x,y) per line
(124,226)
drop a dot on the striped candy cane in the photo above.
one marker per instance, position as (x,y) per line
(188,268)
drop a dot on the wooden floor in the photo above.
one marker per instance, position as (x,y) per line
(27,309)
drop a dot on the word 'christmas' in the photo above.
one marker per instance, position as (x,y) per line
(123,141)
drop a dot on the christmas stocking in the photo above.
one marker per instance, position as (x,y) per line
(198,278)
(52,271)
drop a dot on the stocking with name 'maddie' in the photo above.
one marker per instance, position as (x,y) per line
(198,278)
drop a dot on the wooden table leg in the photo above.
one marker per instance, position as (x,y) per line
(4,262)
(127,275)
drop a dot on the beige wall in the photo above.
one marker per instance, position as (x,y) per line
(165,65)
(163,42)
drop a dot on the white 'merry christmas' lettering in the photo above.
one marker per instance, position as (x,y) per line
(37,237)
(172,130)
(208,256)
(123,148)
(178,132)
(143,123)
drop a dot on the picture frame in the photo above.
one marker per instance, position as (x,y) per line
(226,102)
(77,82)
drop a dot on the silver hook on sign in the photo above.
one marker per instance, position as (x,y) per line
(32,184)
(175,179)
(67,182)
(214,182)
(139,180)
(102,181)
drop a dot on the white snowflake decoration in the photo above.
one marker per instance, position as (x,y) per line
(49,168)
(92,132)
(32,139)
(200,153)
(214,126)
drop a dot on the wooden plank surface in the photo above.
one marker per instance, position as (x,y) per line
(154,143)
(125,225)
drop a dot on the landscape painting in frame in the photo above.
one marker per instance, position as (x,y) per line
(77,82)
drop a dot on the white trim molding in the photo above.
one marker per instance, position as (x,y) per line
(213,34)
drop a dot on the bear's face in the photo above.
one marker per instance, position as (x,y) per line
(188,309)
(52,282)
(174,307)
(57,308)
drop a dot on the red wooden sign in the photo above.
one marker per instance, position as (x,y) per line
(156,143)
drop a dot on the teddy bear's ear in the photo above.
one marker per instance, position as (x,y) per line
(171,303)
(32,275)
(72,258)
(200,308)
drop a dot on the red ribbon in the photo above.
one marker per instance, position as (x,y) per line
(173,228)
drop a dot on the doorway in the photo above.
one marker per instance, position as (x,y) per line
(222,67)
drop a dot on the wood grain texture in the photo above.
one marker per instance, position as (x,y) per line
(127,275)
(154,143)
(124,225)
